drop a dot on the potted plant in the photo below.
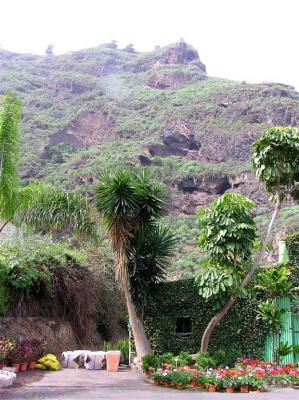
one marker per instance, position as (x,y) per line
(6,346)
(13,358)
(25,352)
(244,382)
(295,381)
(149,363)
(230,383)
(37,349)
(157,378)
(167,361)
(180,379)
(200,380)
(213,381)
(167,379)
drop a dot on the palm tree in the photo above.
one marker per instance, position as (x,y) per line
(9,155)
(131,204)
(150,256)
(44,208)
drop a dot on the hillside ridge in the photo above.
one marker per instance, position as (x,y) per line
(101,107)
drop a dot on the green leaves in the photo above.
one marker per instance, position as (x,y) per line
(215,281)
(131,204)
(46,208)
(269,312)
(150,254)
(128,200)
(275,281)
(9,154)
(227,229)
(276,159)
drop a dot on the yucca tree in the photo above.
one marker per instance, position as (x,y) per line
(44,208)
(130,204)
(150,256)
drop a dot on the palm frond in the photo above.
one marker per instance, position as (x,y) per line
(151,251)
(9,154)
(46,208)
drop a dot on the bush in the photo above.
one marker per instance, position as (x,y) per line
(184,358)
(150,361)
(167,358)
(204,361)
(122,345)
(52,280)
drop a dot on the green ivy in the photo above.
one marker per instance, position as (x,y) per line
(239,331)
(292,243)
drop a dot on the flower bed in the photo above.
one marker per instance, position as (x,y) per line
(20,355)
(247,375)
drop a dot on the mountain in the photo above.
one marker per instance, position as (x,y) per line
(102,107)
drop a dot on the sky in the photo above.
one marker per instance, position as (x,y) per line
(246,40)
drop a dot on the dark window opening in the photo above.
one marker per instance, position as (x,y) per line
(183,326)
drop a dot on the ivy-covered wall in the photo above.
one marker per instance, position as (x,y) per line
(292,243)
(239,331)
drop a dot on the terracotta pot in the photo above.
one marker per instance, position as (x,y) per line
(31,365)
(244,389)
(179,387)
(230,389)
(201,385)
(167,384)
(212,388)
(156,382)
(23,367)
(112,359)
(16,367)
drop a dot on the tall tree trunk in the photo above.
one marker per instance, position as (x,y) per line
(231,301)
(142,343)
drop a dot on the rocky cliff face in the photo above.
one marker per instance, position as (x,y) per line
(100,108)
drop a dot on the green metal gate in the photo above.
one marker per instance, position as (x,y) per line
(290,322)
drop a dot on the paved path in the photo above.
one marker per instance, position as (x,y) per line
(71,384)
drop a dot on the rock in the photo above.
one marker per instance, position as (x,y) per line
(145,161)
(178,139)
(209,184)
(88,129)
(7,378)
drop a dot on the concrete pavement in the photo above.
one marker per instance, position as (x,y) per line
(73,384)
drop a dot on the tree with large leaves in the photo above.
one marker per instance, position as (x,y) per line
(276,161)
(131,204)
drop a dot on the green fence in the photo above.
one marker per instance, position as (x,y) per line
(290,322)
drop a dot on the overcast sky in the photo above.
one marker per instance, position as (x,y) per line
(252,40)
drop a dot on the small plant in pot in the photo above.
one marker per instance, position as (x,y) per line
(149,363)
(157,378)
(213,381)
(6,346)
(167,361)
(295,381)
(199,379)
(180,379)
(184,359)
(231,382)
(167,379)
(244,382)
(38,348)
